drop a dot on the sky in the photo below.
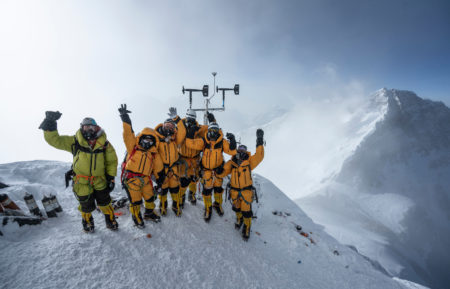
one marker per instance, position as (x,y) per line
(85,58)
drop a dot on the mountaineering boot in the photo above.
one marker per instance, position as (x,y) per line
(218,203)
(176,204)
(218,208)
(182,200)
(192,190)
(163,205)
(246,228)
(192,199)
(239,221)
(88,222)
(208,205)
(207,214)
(111,223)
(136,216)
(110,219)
(150,214)
(176,208)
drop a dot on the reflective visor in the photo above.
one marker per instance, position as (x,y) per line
(93,128)
(147,140)
(242,148)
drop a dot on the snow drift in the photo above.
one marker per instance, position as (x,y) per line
(391,197)
(181,253)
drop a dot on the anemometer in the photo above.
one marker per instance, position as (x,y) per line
(205,93)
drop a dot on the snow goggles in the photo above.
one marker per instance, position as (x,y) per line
(90,127)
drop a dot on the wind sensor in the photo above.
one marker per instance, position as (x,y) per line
(205,92)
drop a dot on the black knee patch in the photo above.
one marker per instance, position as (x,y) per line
(218,190)
(235,209)
(102,197)
(247,214)
(184,182)
(174,190)
(164,191)
(207,192)
(151,199)
(87,203)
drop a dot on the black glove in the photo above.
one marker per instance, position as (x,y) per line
(172,112)
(68,176)
(49,123)
(124,114)
(218,170)
(259,137)
(110,183)
(232,140)
(211,117)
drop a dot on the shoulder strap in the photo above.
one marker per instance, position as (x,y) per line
(77,147)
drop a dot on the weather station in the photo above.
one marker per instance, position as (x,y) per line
(207,98)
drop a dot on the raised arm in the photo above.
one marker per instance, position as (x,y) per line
(259,154)
(128,134)
(51,134)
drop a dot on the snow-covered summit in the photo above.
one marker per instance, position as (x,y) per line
(390,198)
(181,253)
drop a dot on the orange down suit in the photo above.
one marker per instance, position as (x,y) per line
(168,150)
(189,161)
(139,167)
(241,180)
(212,157)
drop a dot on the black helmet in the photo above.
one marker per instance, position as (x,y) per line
(147,141)
(89,128)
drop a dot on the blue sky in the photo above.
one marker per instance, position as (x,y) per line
(84,58)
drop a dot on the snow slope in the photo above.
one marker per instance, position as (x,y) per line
(182,252)
(391,198)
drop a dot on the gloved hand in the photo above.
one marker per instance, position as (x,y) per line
(232,140)
(49,123)
(110,183)
(124,114)
(52,115)
(218,170)
(172,112)
(211,117)
(259,137)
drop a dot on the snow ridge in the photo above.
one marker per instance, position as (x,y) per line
(390,199)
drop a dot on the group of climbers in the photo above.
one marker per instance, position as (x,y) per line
(175,155)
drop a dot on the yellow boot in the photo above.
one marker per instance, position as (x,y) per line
(239,221)
(182,196)
(110,219)
(246,228)
(88,222)
(135,211)
(176,204)
(192,191)
(150,213)
(163,205)
(218,203)
(208,205)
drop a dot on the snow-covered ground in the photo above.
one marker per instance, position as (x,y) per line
(181,253)
(390,198)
